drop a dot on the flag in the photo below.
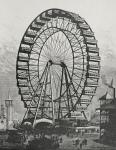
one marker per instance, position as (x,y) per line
(111,89)
(111,92)
(111,84)
(103,97)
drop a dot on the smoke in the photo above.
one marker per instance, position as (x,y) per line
(110,87)
(104,80)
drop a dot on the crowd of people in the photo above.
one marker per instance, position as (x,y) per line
(80,143)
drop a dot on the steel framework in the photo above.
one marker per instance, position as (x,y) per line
(58,65)
(107,117)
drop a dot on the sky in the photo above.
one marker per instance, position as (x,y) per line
(16,15)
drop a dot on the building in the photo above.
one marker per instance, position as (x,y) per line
(9,113)
(108,116)
(2,118)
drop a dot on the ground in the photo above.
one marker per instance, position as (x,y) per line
(92,145)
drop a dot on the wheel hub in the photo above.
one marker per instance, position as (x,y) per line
(62,64)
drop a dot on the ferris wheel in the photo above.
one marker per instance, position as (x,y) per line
(57,66)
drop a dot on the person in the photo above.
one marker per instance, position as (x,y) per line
(73,142)
(81,146)
(77,142)
(60,139)
(78,148)
(84,142)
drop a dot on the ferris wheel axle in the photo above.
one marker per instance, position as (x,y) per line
(62,64)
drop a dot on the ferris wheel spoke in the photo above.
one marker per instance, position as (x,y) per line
(78,84)
(35,52)
(57,42)
(68,58)
(33,73)
(50,43)
(49,48)
(77,49)
(77,75)
(44,44)
(46,53)
(65,51)
(33,77)
(54,40)
(38,46)
(59,48)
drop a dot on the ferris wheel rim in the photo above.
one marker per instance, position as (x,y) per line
(67,15)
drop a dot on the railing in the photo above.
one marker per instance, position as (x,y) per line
(84,26)
(93,75)
(88,33)
(25,50)
(31,34)
(91,41)
(94,67)
(24,59)
(93,49)
(35,26)
(94,58)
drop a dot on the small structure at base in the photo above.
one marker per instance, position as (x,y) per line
(9,113)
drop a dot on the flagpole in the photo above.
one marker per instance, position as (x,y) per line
(114,94)
(100,120)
